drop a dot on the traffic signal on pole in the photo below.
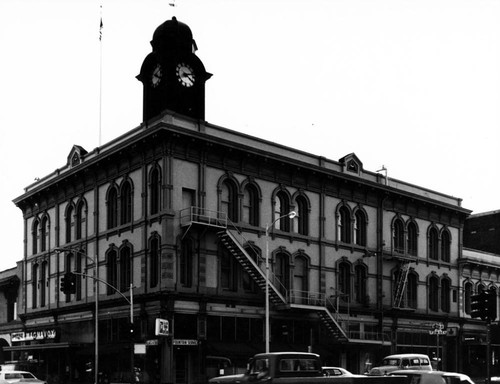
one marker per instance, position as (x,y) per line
(484,305)
(490,305)
(71,282)
(68,283)
(64,284)
(477,309)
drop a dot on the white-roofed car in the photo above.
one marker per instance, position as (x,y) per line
(402,361)
(433,377)
(337,371)
(13,377)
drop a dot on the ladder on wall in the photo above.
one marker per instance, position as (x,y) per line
(401,282)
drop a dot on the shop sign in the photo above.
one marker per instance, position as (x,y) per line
(439,329)
(188,342)
(162,327)
(33,335)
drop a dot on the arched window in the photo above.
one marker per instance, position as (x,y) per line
(433,293)
(360,228)
(126,203)
(412,290)
(112,271)
(399,236)
(300,281)
(125,268)
(445,246)
(445,294)
(34,286)
(44,283)
(433,243)
(155,190)
(468,292)
(154,261)
(186,262)
(344,281)
(303,215)
(81,218)
(44,235)
(112,208)
(34,236)
(69,223)
(281,211)
(282,271)
(360,276)
(251,205)
(344,225)
(229,200)
(412,239)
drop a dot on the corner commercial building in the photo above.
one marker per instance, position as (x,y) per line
(178,209)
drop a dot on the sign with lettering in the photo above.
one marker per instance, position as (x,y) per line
(188,342)
(33,335)
(162,327)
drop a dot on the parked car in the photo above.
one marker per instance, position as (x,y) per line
(402,361)
(12,377)
(336,371)
(433,377)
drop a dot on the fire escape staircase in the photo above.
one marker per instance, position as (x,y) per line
(278,295)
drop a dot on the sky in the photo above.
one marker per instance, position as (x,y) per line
(412,85)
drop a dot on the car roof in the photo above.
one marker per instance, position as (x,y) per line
(403,355)
(424,372)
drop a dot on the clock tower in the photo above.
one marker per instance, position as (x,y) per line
(172,75)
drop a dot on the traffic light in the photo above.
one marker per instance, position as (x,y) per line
(64,284)
(477,308)
(68,283)
(71,282)
(490,305)
(484,305)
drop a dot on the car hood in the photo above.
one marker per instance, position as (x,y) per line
(382,370)
(226,379)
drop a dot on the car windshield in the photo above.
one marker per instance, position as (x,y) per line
(394,362)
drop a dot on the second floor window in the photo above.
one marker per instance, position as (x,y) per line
(112,208)
(399,236)
(412,239)
(155,190)
(360,228)
(229,200)
(126,203)
(344,225)
(303,215)
(281,211)
(251,205)
(433,243)
(445,246)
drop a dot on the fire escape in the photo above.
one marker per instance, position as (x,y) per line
(325,306)
(404,260)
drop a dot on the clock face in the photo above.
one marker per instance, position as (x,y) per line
(185,75)
(156,76)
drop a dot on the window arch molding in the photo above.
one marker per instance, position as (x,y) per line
(229,196)
(251,201)
(345,273)
(155,182)
(445,240)
(343,222)
(81,215)
(126,199)
(398,229)
(302,204)
(433,242)
(412,233)
(360,223)
(281,203)
(44,232)
(112,205)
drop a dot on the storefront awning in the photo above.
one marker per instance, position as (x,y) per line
(32,347)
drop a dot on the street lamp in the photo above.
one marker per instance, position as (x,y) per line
(96,290)
(290,215)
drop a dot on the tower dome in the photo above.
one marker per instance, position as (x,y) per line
(173,35)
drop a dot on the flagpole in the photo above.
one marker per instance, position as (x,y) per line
(100,78)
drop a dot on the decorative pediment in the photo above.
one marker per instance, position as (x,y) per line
(76,156)
(352,164)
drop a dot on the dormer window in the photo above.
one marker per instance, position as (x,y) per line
(75,160)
